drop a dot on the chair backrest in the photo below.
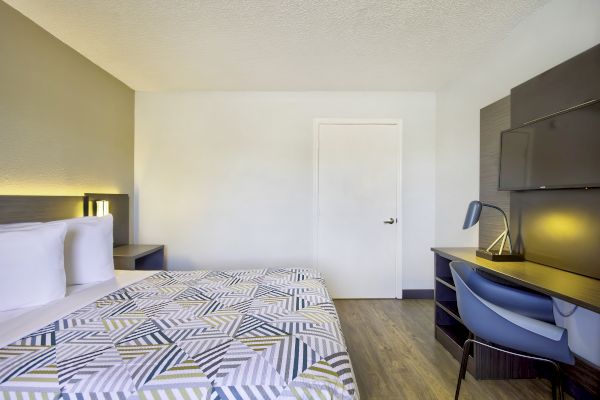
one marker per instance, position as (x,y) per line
(524,302)
(476,316)
(504,327)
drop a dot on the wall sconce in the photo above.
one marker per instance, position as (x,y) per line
(101,208)
(119,209)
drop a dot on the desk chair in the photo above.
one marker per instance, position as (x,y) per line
(509,317)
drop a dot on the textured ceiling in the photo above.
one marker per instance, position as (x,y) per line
(279,44)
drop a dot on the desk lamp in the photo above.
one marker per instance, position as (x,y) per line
(472,217)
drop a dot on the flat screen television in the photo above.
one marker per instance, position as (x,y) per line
(560,151)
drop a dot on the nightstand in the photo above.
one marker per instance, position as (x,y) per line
(139,256)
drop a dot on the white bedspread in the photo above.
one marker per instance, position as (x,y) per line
(14,324)
(269,334)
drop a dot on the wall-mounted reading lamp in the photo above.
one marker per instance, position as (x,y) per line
(98,204)
(101,208)
(472,217)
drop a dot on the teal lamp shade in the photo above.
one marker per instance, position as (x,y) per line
(473,214)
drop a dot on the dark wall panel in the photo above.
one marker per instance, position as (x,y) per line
(566,85)
(16,209)
(493,119)
(560,228)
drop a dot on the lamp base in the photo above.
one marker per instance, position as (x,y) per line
(488,255)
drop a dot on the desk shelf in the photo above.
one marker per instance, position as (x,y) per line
(446,281)
(451,307)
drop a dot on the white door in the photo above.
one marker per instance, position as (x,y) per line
(357,198)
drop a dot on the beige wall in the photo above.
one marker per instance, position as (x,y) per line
(66,126)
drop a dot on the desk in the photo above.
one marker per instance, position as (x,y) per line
(483,364)
(576,289)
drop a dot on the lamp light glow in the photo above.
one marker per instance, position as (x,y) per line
(102,208)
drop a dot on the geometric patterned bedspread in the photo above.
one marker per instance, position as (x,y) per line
(245,334)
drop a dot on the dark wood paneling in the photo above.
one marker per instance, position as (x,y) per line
(582,380)
(493,364)
(568,84)
(493,119)
(119,208)
(560,228)
(15,209)
(555,227)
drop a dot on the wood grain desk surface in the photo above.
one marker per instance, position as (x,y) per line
(574,288)
(136,250)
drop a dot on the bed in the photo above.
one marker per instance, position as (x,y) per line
(244,334)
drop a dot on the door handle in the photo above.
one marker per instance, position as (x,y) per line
(389,221)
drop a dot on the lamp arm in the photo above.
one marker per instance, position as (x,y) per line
(499,209)
(505,223)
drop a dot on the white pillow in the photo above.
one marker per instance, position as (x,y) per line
(31,265)
(89,249)
(18,226)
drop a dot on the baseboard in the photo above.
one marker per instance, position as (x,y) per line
(417,294)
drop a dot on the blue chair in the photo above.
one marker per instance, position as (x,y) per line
(517,320)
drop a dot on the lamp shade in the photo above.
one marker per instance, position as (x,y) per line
(473,214)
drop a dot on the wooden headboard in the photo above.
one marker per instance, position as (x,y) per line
(14,209)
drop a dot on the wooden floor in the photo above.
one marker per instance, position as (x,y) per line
(395,356)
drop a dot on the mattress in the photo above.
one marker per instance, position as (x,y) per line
(247,334)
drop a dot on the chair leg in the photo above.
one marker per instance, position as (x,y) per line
(463,366)
(465,357)
(557,389)
(561,393)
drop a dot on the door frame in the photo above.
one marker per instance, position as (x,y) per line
(317,122)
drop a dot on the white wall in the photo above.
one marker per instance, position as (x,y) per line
(225,179)
(554,33)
